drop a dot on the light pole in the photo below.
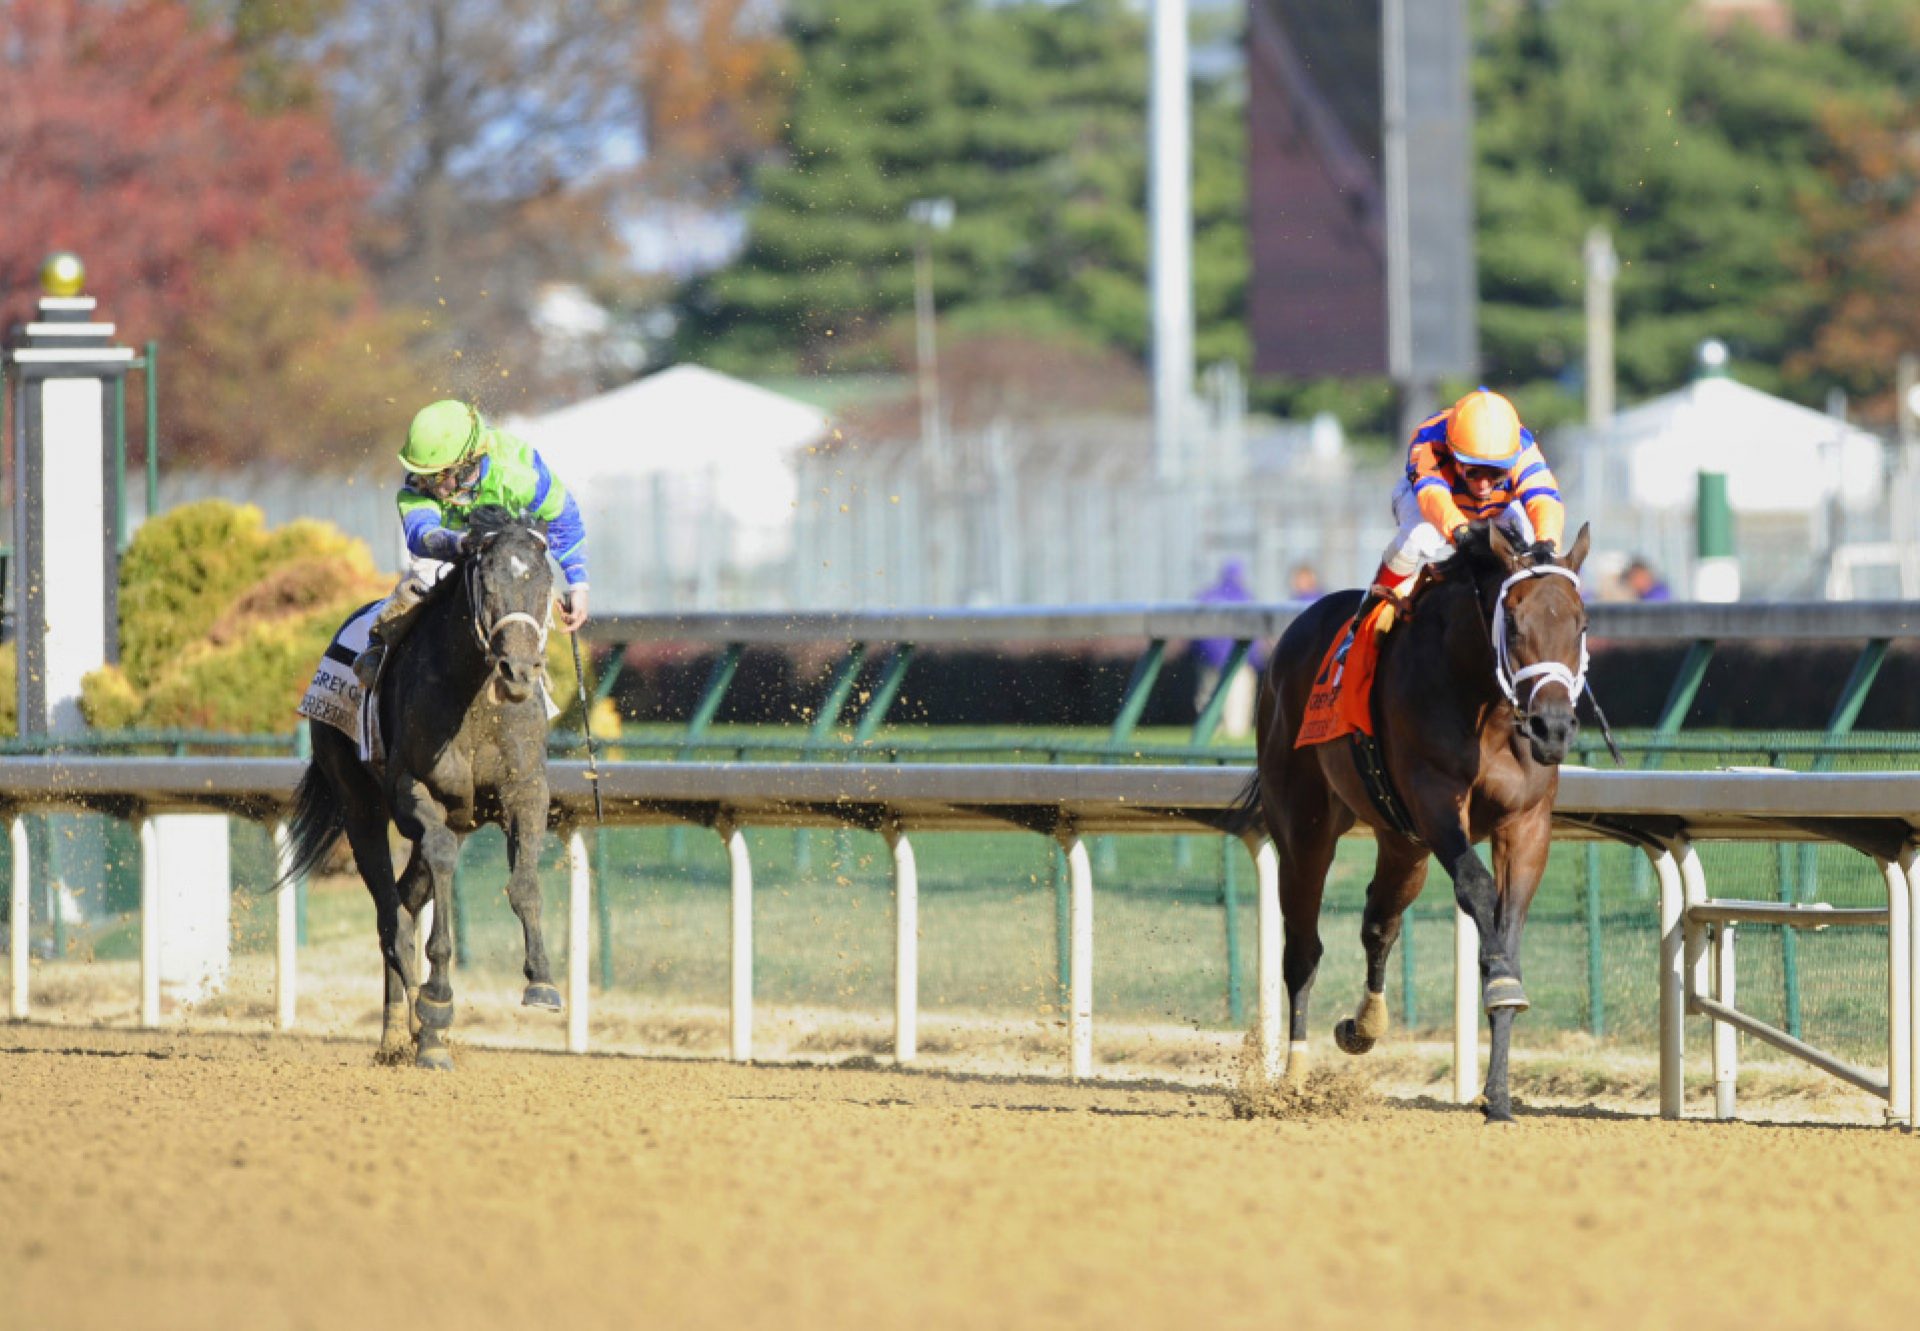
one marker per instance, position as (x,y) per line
(928,216)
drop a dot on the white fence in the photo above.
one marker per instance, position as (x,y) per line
(1663,813)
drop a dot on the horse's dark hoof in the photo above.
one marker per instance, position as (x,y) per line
(1505,991)
(1346,1034)
(436,1057)
(1497,1113)
(544,996)
(434,1014)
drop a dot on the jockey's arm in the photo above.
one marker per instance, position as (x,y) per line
(567,538)
(427,535)
(1433,491)
(1536,490)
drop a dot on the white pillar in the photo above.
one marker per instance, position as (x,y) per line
(906,947)
(1080,954)
(1900,1013)
(196,908)
(1726,1047)
(149,924)
(1266,873)
(1910,866)
(1673,978)
(20,915)
(1466,1007)
(741,867)
(286,935)
(579,941)
(1170,205)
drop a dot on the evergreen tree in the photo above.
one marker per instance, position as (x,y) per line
(1031,118)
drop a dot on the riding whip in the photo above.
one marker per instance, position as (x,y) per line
(586,729)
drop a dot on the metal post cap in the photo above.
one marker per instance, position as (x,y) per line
(62,274)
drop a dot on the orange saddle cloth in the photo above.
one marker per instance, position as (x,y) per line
(1342,696)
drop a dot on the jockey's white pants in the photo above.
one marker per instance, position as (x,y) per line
(1419,542)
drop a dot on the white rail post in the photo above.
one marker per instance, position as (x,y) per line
(579,940)
(741,867)
(20,915)
(1080,953)
(286,935)
(906,945)
(149,923)
(1466,1007)
(1698,960)
(1266,873)
(1726,1049)
(1900,1014)
(1910,867)
(1673,978)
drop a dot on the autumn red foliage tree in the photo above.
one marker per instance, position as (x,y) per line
(125,136)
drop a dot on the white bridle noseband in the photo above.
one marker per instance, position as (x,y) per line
(486,635)
(1542,673)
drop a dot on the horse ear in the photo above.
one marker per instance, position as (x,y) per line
(1577,552)
(1502,547)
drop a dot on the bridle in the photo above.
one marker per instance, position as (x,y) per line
(1541,673)
(487,632)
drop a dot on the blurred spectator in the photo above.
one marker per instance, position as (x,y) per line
(1212,654)
(1643,584)
(1303,584)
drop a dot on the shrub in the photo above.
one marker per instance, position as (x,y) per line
(222,620)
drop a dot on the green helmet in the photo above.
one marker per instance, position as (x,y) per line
(443,434)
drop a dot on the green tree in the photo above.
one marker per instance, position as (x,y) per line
(1031,118)
(1707,151)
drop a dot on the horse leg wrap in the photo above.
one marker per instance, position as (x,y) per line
(1357,1034)
(1505,991)
(435,1015)
(433,1052)
(1299,1064)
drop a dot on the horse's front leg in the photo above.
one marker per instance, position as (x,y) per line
(526,828)
(1519,862)
(423,820)
(1399,872)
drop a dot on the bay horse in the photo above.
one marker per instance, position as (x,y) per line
(464,722)
(1473,708)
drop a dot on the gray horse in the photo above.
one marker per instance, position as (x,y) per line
(465,729)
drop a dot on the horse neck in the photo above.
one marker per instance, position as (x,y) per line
(449,622)
(1458,636)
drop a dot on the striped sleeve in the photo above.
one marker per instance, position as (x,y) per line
(1539,493)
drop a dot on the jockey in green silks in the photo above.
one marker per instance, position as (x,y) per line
(455,463)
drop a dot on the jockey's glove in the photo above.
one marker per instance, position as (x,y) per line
(1542,552)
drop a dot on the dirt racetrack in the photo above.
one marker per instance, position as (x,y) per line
(216,1180)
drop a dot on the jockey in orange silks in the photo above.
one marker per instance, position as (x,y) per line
(1473,462)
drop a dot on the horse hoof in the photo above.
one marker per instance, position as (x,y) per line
(1497,1113)
(434,1014)
(543,996)
(436,1057)
(1506,991)
(1346,1034)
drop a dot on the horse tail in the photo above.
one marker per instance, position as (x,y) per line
(318,818)
(1244,815)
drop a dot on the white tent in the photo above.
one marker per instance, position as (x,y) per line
(1777,456)
(684,477)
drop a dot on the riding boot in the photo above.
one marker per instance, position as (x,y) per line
(1375,594)
(392,622)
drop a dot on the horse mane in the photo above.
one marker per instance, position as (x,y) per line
(491,519)
(1473,558)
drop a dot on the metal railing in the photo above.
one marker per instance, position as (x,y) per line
(1663,813)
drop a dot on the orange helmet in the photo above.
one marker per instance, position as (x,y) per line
(1484,430)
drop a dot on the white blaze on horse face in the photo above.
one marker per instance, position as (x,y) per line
(521,569)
